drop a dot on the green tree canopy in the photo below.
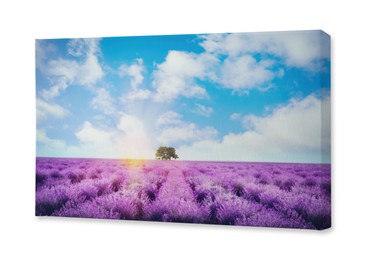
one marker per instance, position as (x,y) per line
(165,153)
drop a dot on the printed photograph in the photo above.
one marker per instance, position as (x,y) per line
(226,129)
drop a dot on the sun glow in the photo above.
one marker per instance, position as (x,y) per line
(134,164)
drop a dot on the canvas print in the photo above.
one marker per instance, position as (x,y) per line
(227,129)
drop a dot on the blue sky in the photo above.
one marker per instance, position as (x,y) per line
(227,97)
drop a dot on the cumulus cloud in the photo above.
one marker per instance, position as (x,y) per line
(103,101)
(245,73)
(239,62)
(140,94)
(92,142)
(296,132)
(56,89)
(65,72)
(242,70)
(89,134)
(301,49)
(43,50)
(134,71)
(76,47)
(297,124)
(203,110)
(45,110)
(177,75)
(235,61)
(135,141)
(131,125)
(169,118)
(173,130)
(188,132)
(127,140)
(52,147)
(41,137)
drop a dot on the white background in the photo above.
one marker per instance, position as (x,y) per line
(23,236)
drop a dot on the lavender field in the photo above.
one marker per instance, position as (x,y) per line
(228,193)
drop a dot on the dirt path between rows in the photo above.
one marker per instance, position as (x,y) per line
(175,186)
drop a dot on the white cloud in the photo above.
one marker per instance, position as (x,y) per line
(203,110)
(230,44)
(298,48)
(95,137)
(297,124)
(43,50)
(138,94)
(93,142)
(47,146)
(177,75)
(169,118)
(301,49)
(55,90)
(52,143)
(187,132)
(76,47)
(103,101)
(235,116)
(134,71)
(45,109)
(135,141)
(241,69)
(90,71)
(245,73)
(295,132)
(173,130)
(83,47)
(128,140)
(64,72)
(131,125)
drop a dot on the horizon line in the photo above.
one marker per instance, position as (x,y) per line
(139,159)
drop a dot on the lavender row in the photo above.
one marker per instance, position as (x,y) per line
(276,195)
(248,194)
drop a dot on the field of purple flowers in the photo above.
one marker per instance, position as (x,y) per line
(228,193)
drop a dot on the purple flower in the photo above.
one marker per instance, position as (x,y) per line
(227,193)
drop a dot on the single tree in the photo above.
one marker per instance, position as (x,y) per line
(165,153)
